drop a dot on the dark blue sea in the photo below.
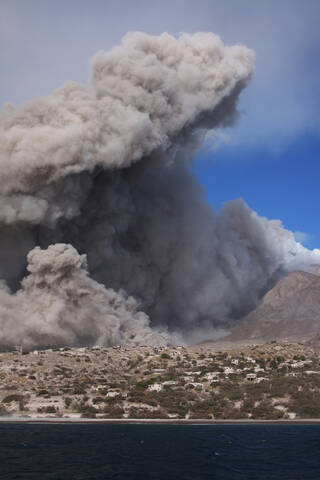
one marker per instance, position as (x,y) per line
(142,452)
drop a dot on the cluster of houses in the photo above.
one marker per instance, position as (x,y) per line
(41,381)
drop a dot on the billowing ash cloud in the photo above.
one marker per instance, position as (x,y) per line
(107,171)
(58,304)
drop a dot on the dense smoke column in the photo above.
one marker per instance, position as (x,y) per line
(107,171)
(149,230)
(144,95)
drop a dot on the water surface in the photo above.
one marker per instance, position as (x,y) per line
(159,452)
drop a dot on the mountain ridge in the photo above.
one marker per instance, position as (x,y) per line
(291,309)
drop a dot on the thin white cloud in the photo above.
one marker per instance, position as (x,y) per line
(214,139)
(303,238)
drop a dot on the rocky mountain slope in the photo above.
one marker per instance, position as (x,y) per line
(290,310)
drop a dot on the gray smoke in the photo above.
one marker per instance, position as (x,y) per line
(107,171)
(59,304)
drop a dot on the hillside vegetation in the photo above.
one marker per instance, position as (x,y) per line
(270,381)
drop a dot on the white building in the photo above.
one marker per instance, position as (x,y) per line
(155,387)
(112,394)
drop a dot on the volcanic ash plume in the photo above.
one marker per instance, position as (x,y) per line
(105,173)
(59,304)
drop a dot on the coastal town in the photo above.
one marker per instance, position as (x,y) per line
(275,380)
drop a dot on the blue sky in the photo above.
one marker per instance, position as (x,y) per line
(270,158)
(283,186)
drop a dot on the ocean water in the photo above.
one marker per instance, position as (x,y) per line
(143,452)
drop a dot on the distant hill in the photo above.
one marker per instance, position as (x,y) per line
(290,310)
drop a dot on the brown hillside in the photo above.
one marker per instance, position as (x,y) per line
(289,310)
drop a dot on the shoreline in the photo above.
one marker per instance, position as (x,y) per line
(160,421)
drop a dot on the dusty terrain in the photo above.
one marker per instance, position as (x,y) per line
(290,310)
(263,381)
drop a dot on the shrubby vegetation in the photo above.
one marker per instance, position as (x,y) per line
(165,383)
